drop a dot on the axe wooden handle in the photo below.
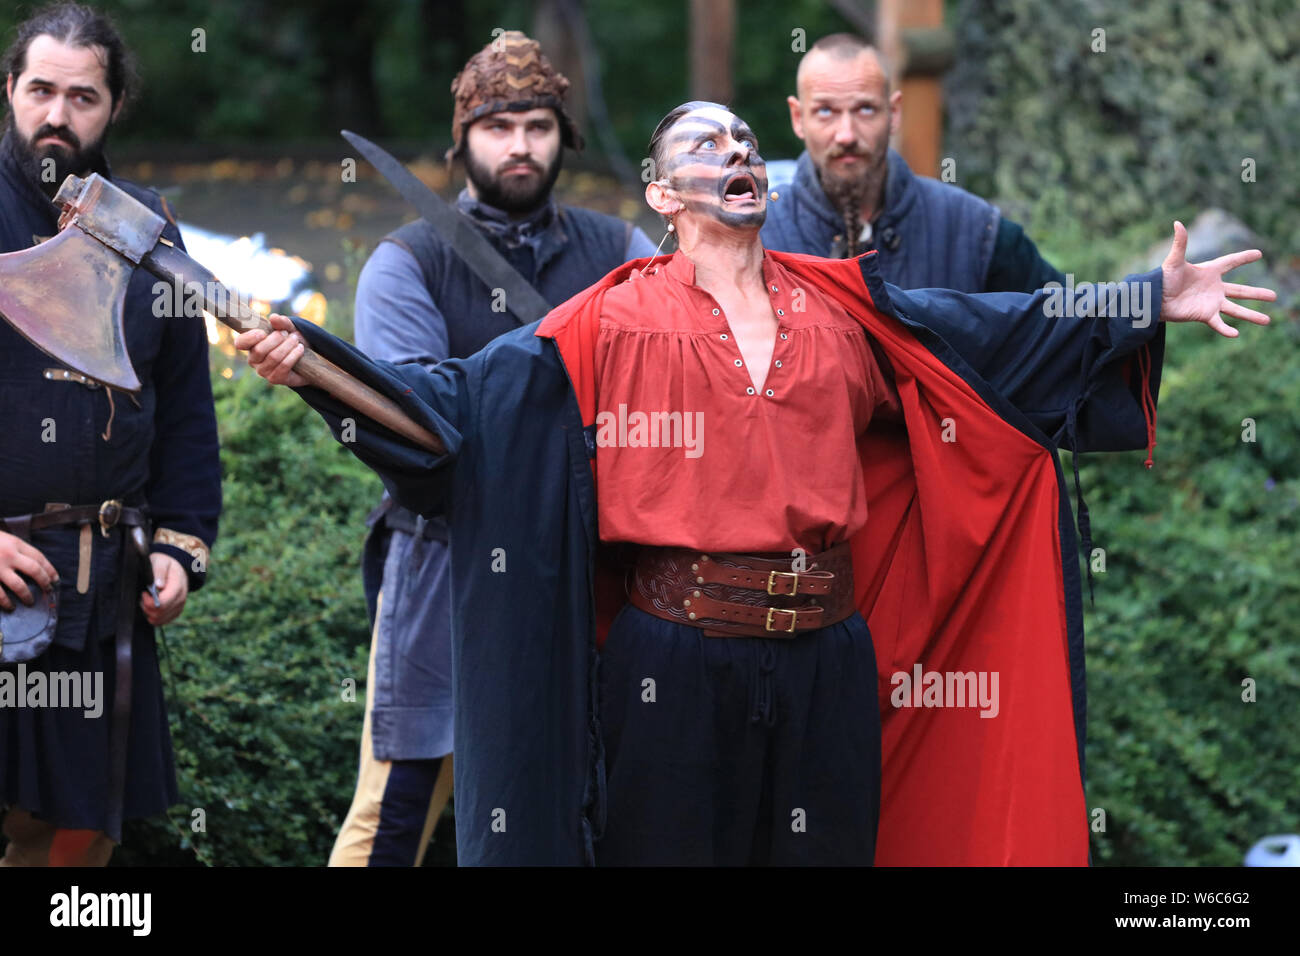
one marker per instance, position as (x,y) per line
(171,265)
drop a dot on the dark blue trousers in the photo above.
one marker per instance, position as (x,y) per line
(734,751)
(404,813)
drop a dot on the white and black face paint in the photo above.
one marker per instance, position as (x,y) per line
(712,162)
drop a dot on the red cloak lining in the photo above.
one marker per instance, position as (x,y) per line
(959,571)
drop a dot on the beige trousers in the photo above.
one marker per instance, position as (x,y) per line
(357,836)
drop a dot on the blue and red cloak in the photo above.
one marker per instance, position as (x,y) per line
(967,564)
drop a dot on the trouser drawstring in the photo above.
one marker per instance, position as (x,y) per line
(763,711)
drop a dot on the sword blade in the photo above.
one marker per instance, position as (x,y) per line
(521,299)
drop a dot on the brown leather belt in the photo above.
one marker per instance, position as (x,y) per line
(107,514)
(742,594)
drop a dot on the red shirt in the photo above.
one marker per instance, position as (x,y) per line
(689,454)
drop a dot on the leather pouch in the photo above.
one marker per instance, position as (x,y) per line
(26,632)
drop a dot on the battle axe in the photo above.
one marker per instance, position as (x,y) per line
(66,297)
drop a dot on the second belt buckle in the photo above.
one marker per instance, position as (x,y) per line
(794,616)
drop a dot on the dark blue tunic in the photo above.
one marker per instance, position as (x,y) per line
(161,450)
(928,234)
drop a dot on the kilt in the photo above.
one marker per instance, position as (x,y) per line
(54,760)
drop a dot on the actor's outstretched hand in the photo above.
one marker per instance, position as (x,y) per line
(273,355)
(1197,293)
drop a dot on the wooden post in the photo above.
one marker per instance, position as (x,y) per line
(713,38)
(560,45)
(911,35)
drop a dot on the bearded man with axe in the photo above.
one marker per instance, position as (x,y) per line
(106,490)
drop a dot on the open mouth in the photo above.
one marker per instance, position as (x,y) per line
(742,188)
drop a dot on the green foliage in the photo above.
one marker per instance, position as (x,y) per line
(1200,593)
(297,69)
(1155,128)
(644,54)
(265,743)
(1097,153)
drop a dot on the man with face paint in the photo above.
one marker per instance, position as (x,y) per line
(740,352)
(852,193)
(757,454)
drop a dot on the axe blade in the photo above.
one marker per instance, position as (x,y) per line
(65,296)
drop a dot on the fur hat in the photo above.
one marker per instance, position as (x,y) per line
(510,73)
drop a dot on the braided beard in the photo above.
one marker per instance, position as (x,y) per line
(848,197)
(852,231)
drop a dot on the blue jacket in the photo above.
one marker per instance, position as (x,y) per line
(928,234)
(969,558)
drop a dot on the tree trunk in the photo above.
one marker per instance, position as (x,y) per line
(713,38)
(560,46)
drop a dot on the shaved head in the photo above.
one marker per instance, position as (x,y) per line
(837,51)
(845,113)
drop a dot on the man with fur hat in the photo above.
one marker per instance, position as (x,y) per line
(417,301)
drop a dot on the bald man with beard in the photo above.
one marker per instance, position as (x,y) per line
(852,193)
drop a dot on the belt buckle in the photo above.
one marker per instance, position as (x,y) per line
(109,513)
(794,616)
(794,585)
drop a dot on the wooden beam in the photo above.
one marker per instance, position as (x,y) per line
(560,46)
(920,138)
(859,15)
(713,40)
